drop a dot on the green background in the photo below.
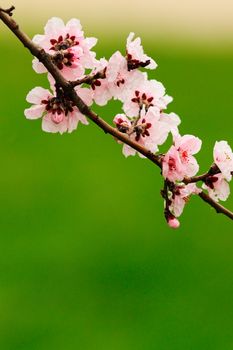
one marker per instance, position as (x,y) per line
(86,258)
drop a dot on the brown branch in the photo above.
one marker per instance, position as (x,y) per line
(89,79)
(220,209)
(68,87)
(213,171)
(189,180)
(8,11)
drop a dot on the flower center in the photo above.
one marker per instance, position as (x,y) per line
(142,129)
(134,63)
(63,55)
(143,99)
(58,106)
(62,59)
(172,164)
(63,43)
(210,180)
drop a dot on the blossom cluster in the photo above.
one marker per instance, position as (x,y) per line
(143,118)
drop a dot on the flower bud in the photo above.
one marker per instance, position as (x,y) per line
(173,223)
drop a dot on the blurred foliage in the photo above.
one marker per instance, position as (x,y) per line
(86,259)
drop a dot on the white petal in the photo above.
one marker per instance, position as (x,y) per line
(34,112)
(49,126)
(128,151)
(38,66)
(54,27)
(37,95)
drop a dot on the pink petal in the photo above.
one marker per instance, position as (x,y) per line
(85,94)
(54,27)
(34,112)
(189,143)
(38,66)
(49,126)
(128,151)
(37,95)
(73,27)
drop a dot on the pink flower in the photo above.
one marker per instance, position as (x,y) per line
(148,93)
(217,187)
(120,80)
(176,199)
(180,196)
(223,158)
(135,54)
(100,87)
(179,161)
(188,145)
(150,130)
(68,47)
(58,113)
(172,167)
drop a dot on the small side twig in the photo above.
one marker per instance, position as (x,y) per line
(8,11)
(214,170)
(89,79)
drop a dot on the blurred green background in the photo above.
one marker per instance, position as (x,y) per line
(86,258)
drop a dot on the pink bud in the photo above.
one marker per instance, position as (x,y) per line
(173,223)
(57,117)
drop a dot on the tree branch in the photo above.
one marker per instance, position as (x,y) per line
(68,87)
(89,79)
(9,11)
(214,170)
(220,209)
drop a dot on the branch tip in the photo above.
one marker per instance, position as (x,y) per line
(8,11)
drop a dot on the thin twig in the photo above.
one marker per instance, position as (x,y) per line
(214,170)
(68,87)
(88,79)
(189,180)
(220,209)
(8,11)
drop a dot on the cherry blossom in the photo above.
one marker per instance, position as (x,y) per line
(179,161)
(180,196)
(100,87)
(223,158)
(217,187)
(135,55)
(70,51)
(59,114)
(120,80)
(148,94)
(150,130)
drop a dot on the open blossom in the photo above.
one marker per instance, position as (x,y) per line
(58,113)
(223,158)
(147,94)
(179,161)
(180,196)
(70,51)
(217,187)
(150,130)
(120,80)
(135,55)
(100,87)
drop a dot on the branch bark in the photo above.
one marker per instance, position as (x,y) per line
(88,79)
(68,87)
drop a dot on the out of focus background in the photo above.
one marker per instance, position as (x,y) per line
(86,259)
